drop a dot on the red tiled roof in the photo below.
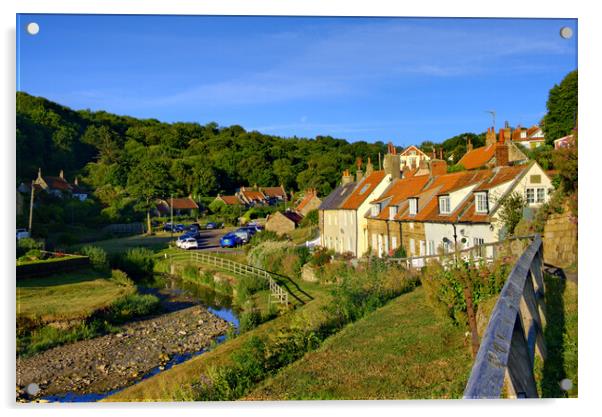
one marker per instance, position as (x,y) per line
(363,190)
(57,183)
(400,190)
(500,176)
(274,191)
(413,148)
(252,195)
(532,130)
(185,203)
(478,157)
(230,199)
(308,197)
(428,209)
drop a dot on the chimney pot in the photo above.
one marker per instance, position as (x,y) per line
(438,167)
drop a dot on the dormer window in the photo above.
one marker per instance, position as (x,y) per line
(375,210)
(413,206)
(481,203)
(392,212)
(444,206)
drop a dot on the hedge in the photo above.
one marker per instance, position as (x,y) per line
(51,266)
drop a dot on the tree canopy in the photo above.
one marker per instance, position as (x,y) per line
(561,118)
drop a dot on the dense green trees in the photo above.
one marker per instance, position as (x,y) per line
(561,117)
(129,161)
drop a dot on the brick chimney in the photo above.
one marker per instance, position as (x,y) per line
(490,137)
(468,145)
(392,162)
(347,177)
(369,168)
(501,153)
(406,171)
(359,174)
(438,167)
(441,153)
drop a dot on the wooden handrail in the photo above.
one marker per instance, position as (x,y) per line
(514,333)
(239,268)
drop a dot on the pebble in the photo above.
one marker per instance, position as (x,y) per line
(112,361)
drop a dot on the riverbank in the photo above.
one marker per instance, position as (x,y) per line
(117,360)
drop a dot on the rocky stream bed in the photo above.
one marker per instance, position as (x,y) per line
(114,361)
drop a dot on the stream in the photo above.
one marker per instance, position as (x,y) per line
(175,295)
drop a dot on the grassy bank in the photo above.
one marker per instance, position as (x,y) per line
(67,296)
(400,351)
(561,340)
(74,306)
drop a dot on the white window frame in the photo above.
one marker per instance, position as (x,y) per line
(375,210)
(392,212)
(481,203)
(543,195)
(413,206)
(530,199)
(430,249)
(444,204)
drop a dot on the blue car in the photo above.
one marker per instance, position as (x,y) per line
(179,228)
(230,240)
(211,225)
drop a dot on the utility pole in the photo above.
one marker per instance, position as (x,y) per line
(31,208)
(492,112)
(171,214)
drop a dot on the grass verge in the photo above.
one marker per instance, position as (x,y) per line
(400,351)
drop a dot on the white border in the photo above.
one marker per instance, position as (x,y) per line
(589,73)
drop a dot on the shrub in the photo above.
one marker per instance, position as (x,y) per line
(98,257)
(264,236)
(279,256)
(138,263)
(133,305)
(249,320)
(26,244)
(321,256)
(121,278)
(511,211)
(364,289)
(310,219)
(445,287)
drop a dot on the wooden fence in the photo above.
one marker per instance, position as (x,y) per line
(514,333)
(276,291)
(487,252)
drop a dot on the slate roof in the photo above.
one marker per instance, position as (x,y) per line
(363,190)
(337,197)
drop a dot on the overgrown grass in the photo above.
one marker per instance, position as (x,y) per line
(400,351)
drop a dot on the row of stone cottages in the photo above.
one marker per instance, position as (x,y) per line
(423,208)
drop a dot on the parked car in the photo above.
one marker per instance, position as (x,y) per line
(167,227)
(230,240)
(211,225)
(179,228)
(194,227)
(22,234)
(189,243)
(245,235)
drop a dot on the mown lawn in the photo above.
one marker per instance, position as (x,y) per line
(119,245)
(67,296)
(400,351)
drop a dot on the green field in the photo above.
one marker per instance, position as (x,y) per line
(400,351)
(67,296)
(155,242)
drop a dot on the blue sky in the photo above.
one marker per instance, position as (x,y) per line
(401,79)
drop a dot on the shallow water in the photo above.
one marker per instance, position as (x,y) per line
(216,304)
